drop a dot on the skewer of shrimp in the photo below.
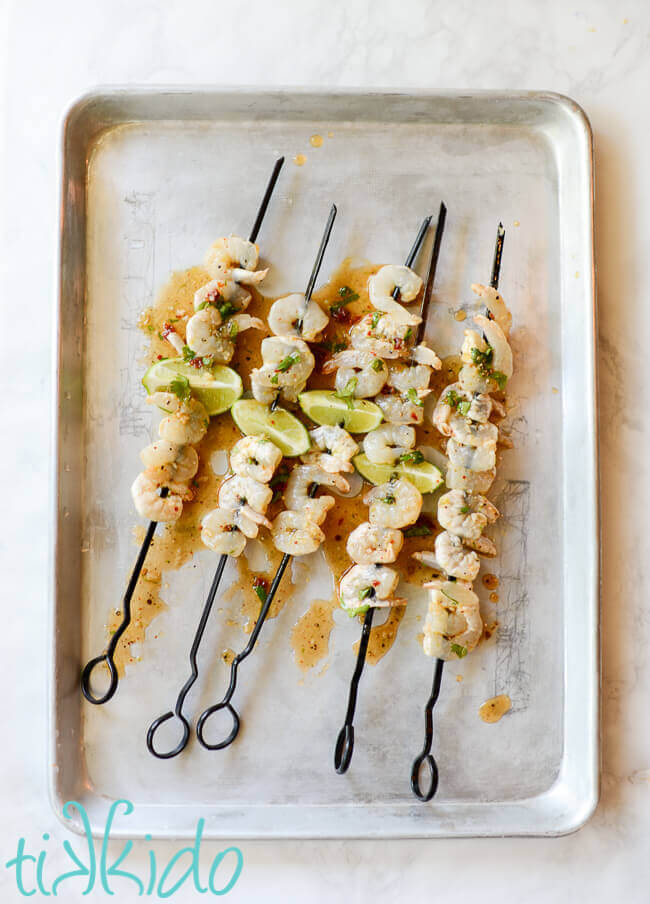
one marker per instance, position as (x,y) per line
(453,626)
(170,462)
(243,500)
(392,506)
(295,531)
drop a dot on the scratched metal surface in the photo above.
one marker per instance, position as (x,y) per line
(150,178)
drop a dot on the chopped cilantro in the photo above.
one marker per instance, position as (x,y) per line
(389,499)
(288,362)
(376,317)
(188,354)
(274,379)
(408,334)
(452,398)
(346,295)
(180,386)
(483,360)
(499,378)
(203,305)
(260,590)
(347,393)
(226,309)
(377,365)
(365,593)
(233,329)
(415,457)
(418,530)
(464,510)
(458,650)
(339,346)
(464,407)
(414,398)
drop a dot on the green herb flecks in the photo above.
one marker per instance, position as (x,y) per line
(415,457)
(347,393)
(365,593)
(180,386)
(418,530)
(413,397)
(346,296)
(458,650)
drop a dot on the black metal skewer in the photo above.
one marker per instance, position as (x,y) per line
(344,747)
(108,655)
(225,703)
(320,254)
(425,755)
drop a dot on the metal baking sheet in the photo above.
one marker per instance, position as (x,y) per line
(149,178)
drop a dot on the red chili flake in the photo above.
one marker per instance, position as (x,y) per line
(341,315)
(159,357)
(196,362)
(261,582)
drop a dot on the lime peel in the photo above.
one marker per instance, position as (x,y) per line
(280,426)
(425,476)
(326,408)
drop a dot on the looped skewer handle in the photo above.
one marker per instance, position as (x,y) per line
(178,709)
(225,703)
(425,794)
(108,655)
(345,741)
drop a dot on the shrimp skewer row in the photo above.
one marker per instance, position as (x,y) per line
(375,544)
(169,465)
(453,625)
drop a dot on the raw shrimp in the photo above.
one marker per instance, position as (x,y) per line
(381,335)
(256,457)
(336,449)
(495,305)
(464,514)
(296,494)
(451,556)
(387,443)
(164,461)
(459,478)
(219,532)
(201,332)
(474,458)
(360,373)
(453,626)
(234,258)
(288,316)
(394,504)
(474,406)
(403,377)
(288,363)
(187,424)
(501,352)
(149,504)
(296,534)
(363,586)
(422,354)
(398,409)
(369,544)
(385,281)
(208,336)
(248,496)
(222,293)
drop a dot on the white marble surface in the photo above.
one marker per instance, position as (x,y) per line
(596,52)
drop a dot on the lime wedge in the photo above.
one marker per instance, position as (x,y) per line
(216,387)
(326,408)
(425,476)
(282,428)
